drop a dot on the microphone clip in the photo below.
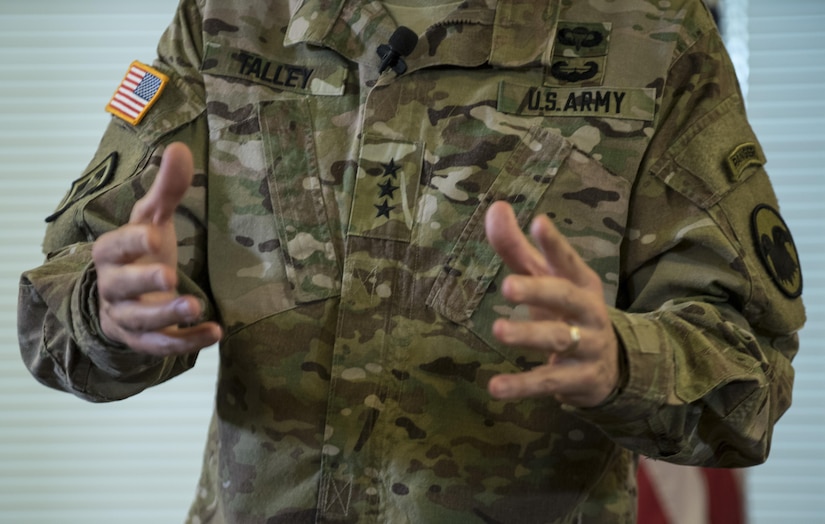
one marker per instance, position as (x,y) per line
(402,42)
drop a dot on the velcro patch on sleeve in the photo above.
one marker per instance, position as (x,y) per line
(137,92)
(96,178)
(743,156)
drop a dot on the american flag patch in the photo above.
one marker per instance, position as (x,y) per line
(139,89)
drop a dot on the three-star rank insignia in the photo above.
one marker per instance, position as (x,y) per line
(776,248)
(386,189)
(89,183)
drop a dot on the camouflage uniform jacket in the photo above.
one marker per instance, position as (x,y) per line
(335,230)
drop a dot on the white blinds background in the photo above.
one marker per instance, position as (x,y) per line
(66,461)
(786,43)
(62,460)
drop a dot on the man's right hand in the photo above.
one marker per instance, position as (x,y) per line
(137,272)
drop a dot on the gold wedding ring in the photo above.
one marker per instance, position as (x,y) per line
(575,338)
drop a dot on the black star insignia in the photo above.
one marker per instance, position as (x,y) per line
(390,169)
(383,209)
(387,189)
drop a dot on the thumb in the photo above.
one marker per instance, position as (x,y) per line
(173,179)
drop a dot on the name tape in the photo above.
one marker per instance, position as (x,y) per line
(628,103)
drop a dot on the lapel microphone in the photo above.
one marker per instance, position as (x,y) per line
(402,42)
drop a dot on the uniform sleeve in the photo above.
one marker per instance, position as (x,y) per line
(710,308)
(58,328)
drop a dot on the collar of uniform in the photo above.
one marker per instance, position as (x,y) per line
(353,28)
(506,33)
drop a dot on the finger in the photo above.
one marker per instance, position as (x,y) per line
(538,382)
(173,179)
(125,245)
(545,336)
(176,341)
(137,316)
(569,382)
(509,242)
(129,282)
(556,249)
(556,297)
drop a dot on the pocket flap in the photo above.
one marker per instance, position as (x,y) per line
(472,263)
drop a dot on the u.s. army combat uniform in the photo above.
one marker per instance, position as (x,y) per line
(335,229)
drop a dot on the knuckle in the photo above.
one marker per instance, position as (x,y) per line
(566,297)
(590,374)
(160,344)
(561,339)
(98,249)
(105,291)
(547,384)
(169,346)
(130,322)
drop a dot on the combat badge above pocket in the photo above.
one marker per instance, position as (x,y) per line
(579,54)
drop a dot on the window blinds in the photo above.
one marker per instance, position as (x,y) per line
(787,110)
(63,460)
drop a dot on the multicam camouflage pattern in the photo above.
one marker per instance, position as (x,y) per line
(336,228)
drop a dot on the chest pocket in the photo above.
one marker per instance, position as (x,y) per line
(587,203)
(271,246)
(472,263)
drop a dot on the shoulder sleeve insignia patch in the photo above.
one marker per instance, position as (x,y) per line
(776,248)
(137,92)
(94,179)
